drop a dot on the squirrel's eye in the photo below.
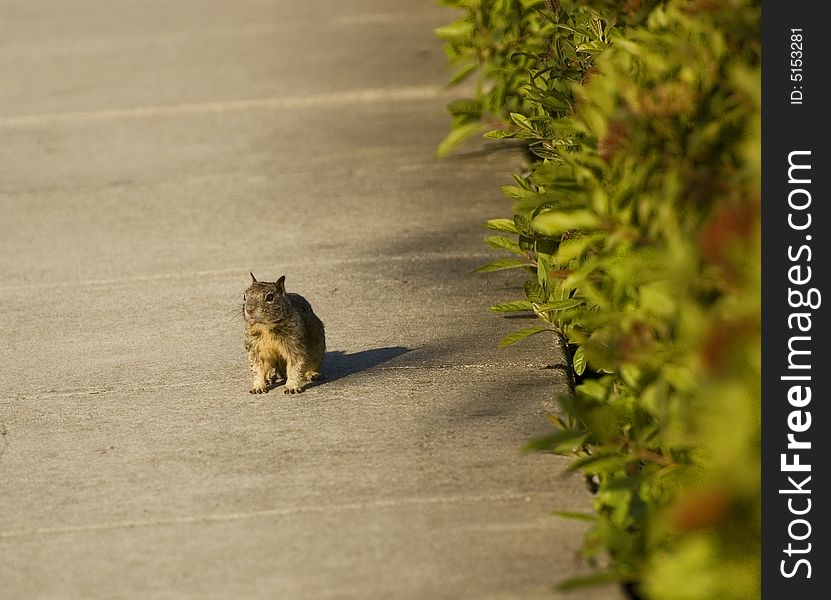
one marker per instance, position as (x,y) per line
(269,297)
(243,297)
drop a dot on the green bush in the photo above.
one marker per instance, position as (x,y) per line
(638,221)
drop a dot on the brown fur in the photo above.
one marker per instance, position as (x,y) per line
(284,338)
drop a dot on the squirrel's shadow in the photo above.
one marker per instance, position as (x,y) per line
(338,364)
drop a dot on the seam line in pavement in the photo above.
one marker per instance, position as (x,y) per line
(243,273)
(195,384)
(274,513)
(274,103)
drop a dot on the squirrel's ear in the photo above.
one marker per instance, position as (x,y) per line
(253,279)
(280,284)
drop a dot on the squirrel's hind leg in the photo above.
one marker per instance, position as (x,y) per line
(295,377)
(314,366)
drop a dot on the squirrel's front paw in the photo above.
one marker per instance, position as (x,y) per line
(259,389)
(293,389)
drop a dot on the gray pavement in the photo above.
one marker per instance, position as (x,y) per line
(151,154)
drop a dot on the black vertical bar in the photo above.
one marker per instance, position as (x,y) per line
(796,110)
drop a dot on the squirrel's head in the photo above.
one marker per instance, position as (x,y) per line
(265,301)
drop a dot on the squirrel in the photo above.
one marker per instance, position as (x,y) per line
(284,338)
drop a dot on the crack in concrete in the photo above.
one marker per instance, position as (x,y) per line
(205,382)
(4,441)
(359,260)
(277,513)
(278,103)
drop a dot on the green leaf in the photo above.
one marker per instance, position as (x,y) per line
(560,305)
(457,136)
(535,292)
(577,516)
(516,306)
(506,225)
(659,298)
(521,334)
(465,107)
(593,389)
(499,134)
(554,102)
(522,121)
(556,222)
(631,375)
(543,267)
(456,31)
(462,74)
(514,192)
(579,360)
(624,483)
(503,263)
(501,242)
(597,463)
(561,441)
(523,224)
(680,377)
(573,248)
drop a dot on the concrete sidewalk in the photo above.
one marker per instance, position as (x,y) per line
(151,154)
